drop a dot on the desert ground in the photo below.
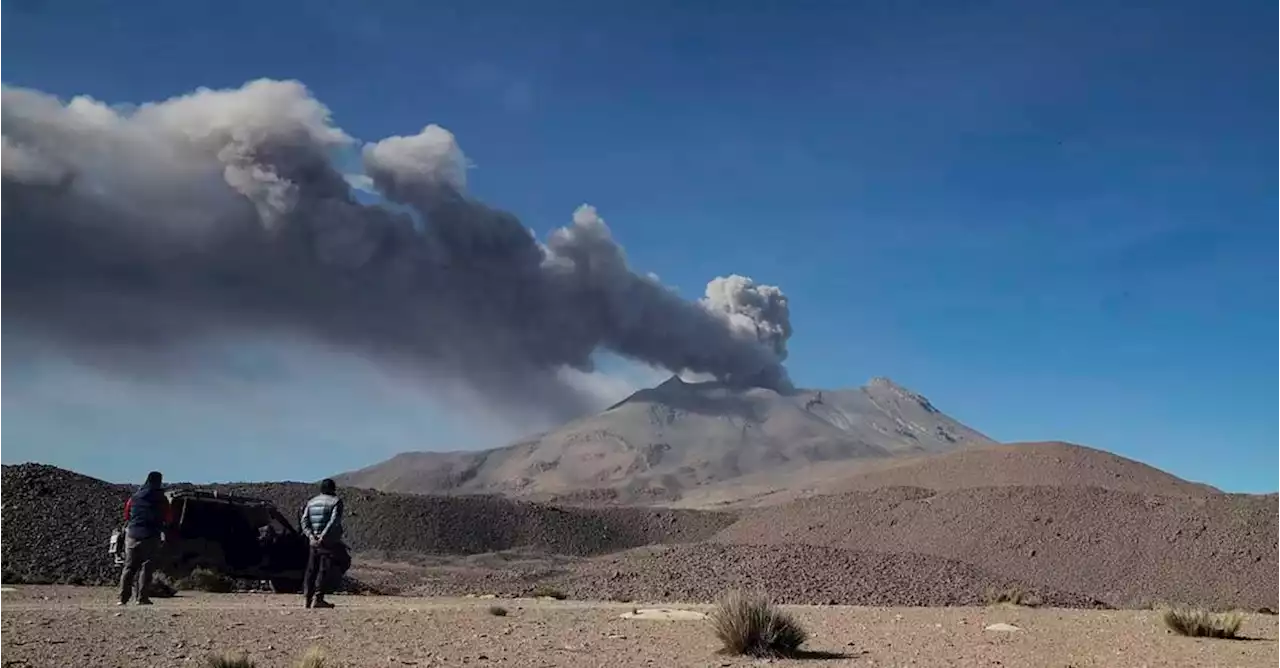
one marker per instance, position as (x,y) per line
(76,626)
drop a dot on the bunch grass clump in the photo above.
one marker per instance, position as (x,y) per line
(314,658)
(1013,595)
(546,591)
(204,579)
(230,660)
(749,624)
(1197,623)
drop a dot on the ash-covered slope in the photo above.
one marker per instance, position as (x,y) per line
(661,442)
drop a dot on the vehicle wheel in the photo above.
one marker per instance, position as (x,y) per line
(286,585)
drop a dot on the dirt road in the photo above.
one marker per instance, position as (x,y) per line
(66,626)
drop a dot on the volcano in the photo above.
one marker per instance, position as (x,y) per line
(660,443)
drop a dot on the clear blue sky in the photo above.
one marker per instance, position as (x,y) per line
(1055,219)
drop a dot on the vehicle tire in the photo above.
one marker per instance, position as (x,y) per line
(286,585)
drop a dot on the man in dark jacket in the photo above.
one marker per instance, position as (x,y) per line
(322,525)
(146,514)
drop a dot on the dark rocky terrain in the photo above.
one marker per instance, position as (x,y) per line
(57,523)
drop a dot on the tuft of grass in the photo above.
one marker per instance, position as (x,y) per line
(230,660)
(497,611)
(314,658)
(203,579)
(1199,623)
(161,587)
(1014,595)
(749,624)
(545,591)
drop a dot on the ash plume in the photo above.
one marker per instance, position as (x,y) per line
(130,234)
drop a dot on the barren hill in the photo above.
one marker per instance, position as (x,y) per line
(660,443)
(1016,464)
(1047,463)
(1125,548)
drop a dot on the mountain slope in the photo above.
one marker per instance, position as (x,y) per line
(1052,464)
(1126,548)
(661,442)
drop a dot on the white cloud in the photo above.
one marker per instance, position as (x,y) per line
(360,182)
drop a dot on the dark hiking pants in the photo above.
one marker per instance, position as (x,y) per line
(139,555)
(318,565)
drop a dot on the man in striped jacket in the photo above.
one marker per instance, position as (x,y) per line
(322,524)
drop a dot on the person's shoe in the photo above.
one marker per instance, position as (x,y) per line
(144,601)
(321,603)
(120,603)
(307,604)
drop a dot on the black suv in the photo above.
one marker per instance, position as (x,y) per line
(237,536)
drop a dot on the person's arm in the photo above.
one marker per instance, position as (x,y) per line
(166,517)
(335,517)
(128,505)
(306,521)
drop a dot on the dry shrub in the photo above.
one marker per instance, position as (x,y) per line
(497,611)
(203,579)
(314,658)
(749,624)
(161,587)
(230,660)
(350,585)
(1202,623)
(1014,595)
(545,591)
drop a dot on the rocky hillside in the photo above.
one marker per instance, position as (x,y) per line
(58,522)
(1124,548)
(660,443)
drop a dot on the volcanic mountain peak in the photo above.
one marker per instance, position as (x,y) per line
(675,387)
(662,441)
(885,385)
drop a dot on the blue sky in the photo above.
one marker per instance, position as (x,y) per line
(1055,219)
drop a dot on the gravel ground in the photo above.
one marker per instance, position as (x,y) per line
(702,572)
(65,626)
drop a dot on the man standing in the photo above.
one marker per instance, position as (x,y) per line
(147,515)
(322,524)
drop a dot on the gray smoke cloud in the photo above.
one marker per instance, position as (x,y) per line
(131,233)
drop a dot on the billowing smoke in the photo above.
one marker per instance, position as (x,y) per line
(131,233)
